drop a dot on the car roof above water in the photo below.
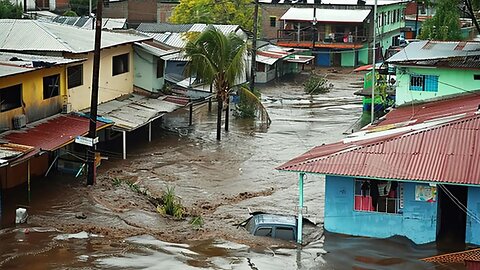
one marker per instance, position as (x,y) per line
(261,219)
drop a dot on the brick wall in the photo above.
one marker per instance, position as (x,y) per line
(142,11)
(165,10)
(267,12)
(116,10)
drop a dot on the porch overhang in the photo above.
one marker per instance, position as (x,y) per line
(320,45)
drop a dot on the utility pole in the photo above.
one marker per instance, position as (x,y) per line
(373,62)
(254,47)
(314,26)
(92,132)
(90,13)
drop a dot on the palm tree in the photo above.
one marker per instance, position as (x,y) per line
(217,60)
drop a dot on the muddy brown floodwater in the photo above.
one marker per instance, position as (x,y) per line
(113,226)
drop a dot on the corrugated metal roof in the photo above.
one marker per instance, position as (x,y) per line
(224,28)
(134,111)
(436,143)
(447,154)
(49,134)
(163,27)
(154,50)
(470,62)
(428,50)
(326,15)
(55,37)
(16,63)
(334,2)
(11,150)
(87,22)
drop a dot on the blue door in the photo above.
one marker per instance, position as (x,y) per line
(323,58)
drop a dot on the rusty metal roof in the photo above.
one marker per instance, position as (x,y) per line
(456,257)
(433,146)
(50,134)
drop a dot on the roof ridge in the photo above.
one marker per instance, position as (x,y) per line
(58,39)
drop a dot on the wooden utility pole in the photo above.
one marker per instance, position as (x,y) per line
(254,47)
(92,132)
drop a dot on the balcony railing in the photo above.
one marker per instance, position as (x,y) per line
(321,37)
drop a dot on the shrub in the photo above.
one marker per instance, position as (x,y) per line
(316,85)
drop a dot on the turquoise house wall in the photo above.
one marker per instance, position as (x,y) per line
(418,221)
(450,82)
(348,58)
(473,227)
(386,31)
(363,55)
(145,75)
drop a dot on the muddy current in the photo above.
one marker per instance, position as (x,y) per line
(115,225)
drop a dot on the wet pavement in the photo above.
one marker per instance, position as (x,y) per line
(219,181)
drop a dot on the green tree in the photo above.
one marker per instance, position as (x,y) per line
(213,11)
(9,10)
(218,60)
(445,24)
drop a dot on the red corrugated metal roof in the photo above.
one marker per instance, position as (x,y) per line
(420,113)
(448,152)
(51,133)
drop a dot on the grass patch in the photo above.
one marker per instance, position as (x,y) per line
(171,204)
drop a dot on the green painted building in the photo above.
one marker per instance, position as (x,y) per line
(341,34)
(432,70)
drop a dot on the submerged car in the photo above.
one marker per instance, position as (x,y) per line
(270,225)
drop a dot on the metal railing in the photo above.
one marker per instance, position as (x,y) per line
(323,37)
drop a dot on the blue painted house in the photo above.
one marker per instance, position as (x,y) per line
(414,174)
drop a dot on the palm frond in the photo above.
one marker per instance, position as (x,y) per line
(253,99)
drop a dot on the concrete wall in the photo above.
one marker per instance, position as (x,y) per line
(33,104)
(145,74)
(417,222)
(473,226)
(110,87)
(450,82)
(265,76)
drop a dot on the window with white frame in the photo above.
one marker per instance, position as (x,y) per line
(378,196)
(427,83)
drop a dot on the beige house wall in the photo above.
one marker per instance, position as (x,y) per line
(110,87)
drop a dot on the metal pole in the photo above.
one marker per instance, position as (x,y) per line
(253,64)
(372,118)
(300,208)
(149,131)
(190,115)
(92,132)
(28,175)
(124,140)
(416,22)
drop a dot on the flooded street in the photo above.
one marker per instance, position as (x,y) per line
(113,225)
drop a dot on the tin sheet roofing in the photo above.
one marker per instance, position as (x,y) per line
(333,2)
(16,35)
(269,54)
(326,15)
(428,50)
(469,62)
(134,111)
(87,22)
(434,145)
(49,134)
(163,27)
(16,63)
(11,151)
(154,50)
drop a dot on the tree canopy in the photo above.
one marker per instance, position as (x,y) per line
(215,12)
(81,7)
(217,60)
(445,24)
(9,10)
